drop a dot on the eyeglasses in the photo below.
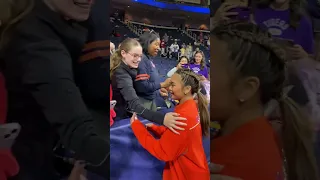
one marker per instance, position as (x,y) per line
(136,56)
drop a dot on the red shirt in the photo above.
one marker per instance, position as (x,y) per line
(184,154)
(112,112)
(250,153)
(162,44)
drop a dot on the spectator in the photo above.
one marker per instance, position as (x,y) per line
(47,102)
(174,49)
(147,81)
(199,65)
(123,73)
(284,19)
(163,48)
(182,61)
(112,48)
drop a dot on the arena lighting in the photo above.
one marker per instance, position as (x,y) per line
(180,7)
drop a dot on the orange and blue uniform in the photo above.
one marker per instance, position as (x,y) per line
(251,152)
(184,154)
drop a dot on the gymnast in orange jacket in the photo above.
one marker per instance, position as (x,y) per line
(183,153)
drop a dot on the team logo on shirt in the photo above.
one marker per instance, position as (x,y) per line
(196,69)
(276,26)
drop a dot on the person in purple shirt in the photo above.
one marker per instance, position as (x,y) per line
(284,19)
(199,65)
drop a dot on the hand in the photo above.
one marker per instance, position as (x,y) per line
(164,92)
(133,118)
(171,120)
(216,168)
(223,12)
(78,172)
(166,83)
(202,78)
(296,52)
(148,125)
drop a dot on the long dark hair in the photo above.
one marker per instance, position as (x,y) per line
(203,60)
(254,53)
(146,39)
(189,78)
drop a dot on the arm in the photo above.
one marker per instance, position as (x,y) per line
(92,71)
(143,85)
(157,130)
(167,148)
(172,71)
(48,76)
(125,84)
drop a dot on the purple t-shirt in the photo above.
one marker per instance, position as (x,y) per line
(197,69)
(277,23)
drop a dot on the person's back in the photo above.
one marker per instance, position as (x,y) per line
(192,163)
(252,147)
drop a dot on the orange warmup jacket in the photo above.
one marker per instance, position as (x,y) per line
(250,153)
(184,154)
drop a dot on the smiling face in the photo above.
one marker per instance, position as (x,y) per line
(154,47)
(77,10)
(133,57)
(198,58)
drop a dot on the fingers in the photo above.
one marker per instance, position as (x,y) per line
(180,123)
(174,131)
(177,127)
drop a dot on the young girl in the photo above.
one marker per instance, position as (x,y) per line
(182,61)
(184,154)
(199,66)
(248,69)
(124,63)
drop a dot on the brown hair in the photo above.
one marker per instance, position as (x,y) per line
(203,60)
(116,57)
(12,12)
(254,53)
(189,78)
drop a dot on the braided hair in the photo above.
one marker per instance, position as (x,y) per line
(254,53)
(189,78)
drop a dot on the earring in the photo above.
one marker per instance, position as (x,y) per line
(185,93)
(241,100)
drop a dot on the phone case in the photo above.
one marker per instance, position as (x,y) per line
(8,134)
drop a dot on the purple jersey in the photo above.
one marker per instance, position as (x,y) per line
(277,23)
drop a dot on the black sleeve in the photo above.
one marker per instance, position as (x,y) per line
(125,84)
(48,76)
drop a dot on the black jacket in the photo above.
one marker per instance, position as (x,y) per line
(126,96)
(44,98)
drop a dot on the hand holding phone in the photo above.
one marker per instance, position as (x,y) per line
(8,133)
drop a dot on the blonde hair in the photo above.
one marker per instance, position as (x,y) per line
(189,78)
(116,57)
(11,12)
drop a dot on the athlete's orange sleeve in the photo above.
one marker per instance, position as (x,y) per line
(157,130)
(167,148)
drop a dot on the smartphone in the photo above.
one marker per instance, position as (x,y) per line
(8,133)
(113,104)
